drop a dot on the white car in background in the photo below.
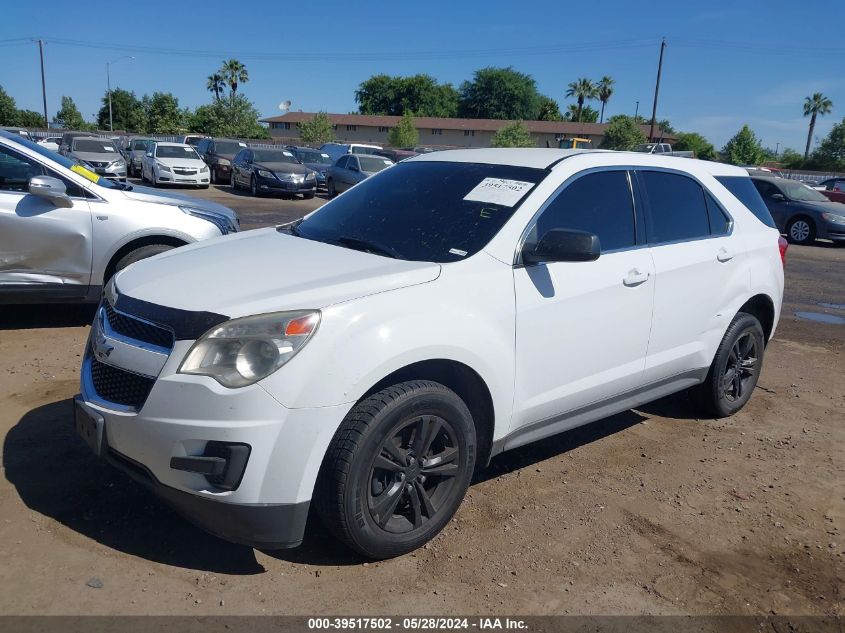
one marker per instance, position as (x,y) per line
(51,143)
(174,164)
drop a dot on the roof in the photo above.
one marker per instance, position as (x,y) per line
(539,158)
(427,122)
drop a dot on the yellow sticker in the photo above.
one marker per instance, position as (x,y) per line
(90,175)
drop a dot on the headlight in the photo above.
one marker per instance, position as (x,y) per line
(310,175)
(265,174)
(222,222)
(833,217)
(223,162)
(117,164)
(204,169)
(242,351)
(162,166)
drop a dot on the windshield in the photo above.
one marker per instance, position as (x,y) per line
(795,190)
(424,211)
(314,157)
(69,163)
(94,146)
(228,147)
(372,164)
(176,151)
(139,145)
(273,156)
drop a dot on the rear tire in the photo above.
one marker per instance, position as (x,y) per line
(801,230)
(735,368)
(330,190)
(213,175)
(140,253)
(397,469)
(253,186)
(232,182)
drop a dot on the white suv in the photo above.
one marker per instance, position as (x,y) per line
(64,230)
(370,356)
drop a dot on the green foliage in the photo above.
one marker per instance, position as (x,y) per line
(622,133)
(583,90)
(127,111)
(814,106)
(386,95)
(743,149)
(404,134)
(588,114)
(69,116)
(512,135)
(604,90)
(695,142)
(666,126)
(30,118)
(163,114)
(318,130)
(214,84)
(831,153)
(791,159)
(8,109)
(499,93)
(233,73)
(548,110)
(228,117)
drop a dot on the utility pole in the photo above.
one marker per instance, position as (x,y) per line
(636,111)
(777,147)
(656,90)
(43,83)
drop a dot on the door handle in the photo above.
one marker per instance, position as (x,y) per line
(635,278)
(724,255)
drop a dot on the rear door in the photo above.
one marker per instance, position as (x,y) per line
(775,200)
(699,274)
(42,247)
(341,173)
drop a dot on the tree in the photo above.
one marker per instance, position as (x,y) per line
(583,89)
(30,118)
(665,126)
(127,111)
(815,105)
(513,135)
(233,73)
(385,95)
(695,142)
(604,90)
(318,130)
(404,134)
(548,110)
(499,93)
(163,114)
(791,159)
(831,153)
(622,133)
(69,116)
(588,114)
(743,149)
(214,84)
(237,118)
(8,108)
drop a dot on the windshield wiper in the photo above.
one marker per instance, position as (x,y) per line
(367,246)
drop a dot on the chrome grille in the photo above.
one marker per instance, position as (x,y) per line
(119,386)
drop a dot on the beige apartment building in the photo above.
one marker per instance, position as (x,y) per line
(435,131)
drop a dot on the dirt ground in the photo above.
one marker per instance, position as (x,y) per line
(652,511)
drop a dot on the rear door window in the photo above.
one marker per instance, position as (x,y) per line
(676,208)
(720,223)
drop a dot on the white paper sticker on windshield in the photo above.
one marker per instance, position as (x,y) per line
(324,155)
(189,150)
(108,148)
(499,191)
(242,144)
(457,251)
(388,162)
(287,153)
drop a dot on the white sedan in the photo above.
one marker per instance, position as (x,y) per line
(174,164)
(51,143)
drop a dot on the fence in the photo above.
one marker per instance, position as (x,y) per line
(810,176)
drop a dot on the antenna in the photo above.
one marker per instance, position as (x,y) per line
(284,105)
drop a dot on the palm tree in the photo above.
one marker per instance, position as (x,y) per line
(215,85)
(604,89)
(234,72)
(813,106)
(582,90)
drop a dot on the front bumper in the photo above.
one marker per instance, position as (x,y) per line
(274,185)
(174,177)
(116,174)
(831,230)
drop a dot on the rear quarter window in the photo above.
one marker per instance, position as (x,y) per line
(744,190)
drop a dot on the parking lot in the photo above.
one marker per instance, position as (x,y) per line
(650,511)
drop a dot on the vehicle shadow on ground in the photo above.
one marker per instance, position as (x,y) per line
(35,316)
(56,475)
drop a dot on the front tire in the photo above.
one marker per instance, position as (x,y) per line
(330,190)
(140,253)
(253,186)
(213,175)
(735,368)
(397,469)
(801,230)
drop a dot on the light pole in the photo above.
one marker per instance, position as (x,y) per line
(108,84)
(636,111)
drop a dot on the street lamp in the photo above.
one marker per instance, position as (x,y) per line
(108,83)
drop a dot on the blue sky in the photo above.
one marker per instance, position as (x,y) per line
(727,62)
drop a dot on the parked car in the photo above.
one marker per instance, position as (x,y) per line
(67,137)
(173,164)
(315,160)
(395,155)
(336,150)
(190,139)
(351,169)
(100,154)
(663,149)
(51,143)
(833,189)
(801,212)
(218,154)
(20,131)
(64,230)
(371,356)
(272,171)
(134,149)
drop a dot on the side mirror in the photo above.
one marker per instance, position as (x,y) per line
(562,245)
(51,189)
(778,197)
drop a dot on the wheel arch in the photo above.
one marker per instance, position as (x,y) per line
(146,240)
(762,307)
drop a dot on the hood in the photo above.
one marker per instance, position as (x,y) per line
(318,167)
(97,157)
(828,206)
(147,194)
(195,163)
(283,168)
(265,271)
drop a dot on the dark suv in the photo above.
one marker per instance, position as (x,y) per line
(801,212)
(218,154)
